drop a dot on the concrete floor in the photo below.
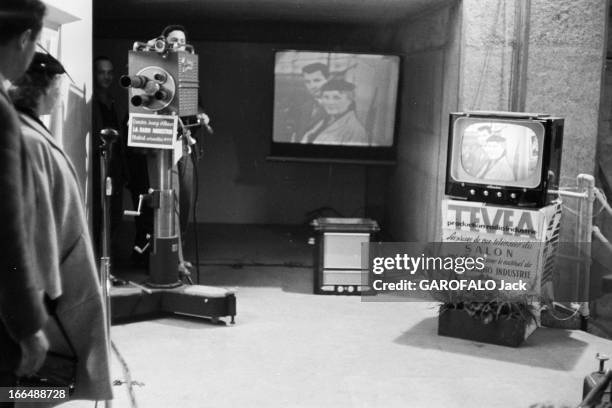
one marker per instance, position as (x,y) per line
(290,348)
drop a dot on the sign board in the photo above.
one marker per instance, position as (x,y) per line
(519,243)
(152,131)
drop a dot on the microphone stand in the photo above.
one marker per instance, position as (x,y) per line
(107,138)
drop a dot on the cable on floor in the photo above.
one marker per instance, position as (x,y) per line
(127,376)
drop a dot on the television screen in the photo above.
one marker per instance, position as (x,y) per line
(497,152)
(326,101)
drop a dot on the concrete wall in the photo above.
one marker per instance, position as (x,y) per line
(566,57)
(563,69)
(486,54)
(429,45)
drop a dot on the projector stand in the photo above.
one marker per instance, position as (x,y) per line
(164,292)
(137,303)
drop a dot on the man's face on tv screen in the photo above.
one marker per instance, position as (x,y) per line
(314,81)
(494,149)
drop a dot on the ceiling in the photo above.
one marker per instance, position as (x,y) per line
(303,11)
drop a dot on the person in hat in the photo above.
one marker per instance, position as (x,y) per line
(176,37)
(62,254)
(473,156)
(497,166)
(23,344)
(340,124)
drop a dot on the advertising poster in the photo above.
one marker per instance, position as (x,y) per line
(517,243)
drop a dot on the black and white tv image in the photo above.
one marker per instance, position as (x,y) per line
(330,105)
(500,153)
(504,157)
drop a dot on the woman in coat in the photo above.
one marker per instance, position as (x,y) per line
(62,252)
(340,125)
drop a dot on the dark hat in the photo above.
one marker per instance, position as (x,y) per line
(338,85)
(44,63)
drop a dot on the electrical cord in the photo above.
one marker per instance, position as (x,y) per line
(180,176)
(184,266)
(127,375)
(196,189)
(194,200)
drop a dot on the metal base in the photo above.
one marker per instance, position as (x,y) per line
(174,285)
(163,262)
(132,304)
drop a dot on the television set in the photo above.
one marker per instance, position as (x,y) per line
(332,106)
(505,158)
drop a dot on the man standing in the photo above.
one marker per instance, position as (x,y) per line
(23,345)
(309,112)
(175,36)
(105,116)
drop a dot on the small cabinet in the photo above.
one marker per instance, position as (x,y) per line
(338,265)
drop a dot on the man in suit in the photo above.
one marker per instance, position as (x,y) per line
(309,111)
(23,344)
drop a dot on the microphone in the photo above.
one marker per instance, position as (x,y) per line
(107,137)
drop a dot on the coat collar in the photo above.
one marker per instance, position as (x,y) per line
(29,121)
(38,127)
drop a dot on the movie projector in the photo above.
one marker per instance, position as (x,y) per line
(163,95)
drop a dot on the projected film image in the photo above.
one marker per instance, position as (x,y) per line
(500,152)
(338,99)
